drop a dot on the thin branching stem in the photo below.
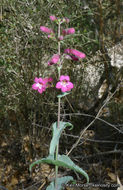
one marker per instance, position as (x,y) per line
(97,116)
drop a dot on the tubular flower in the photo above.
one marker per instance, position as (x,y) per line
(53,18)
(54,59)
(46,30)
(39,85)
(64,84)
(68,31)
(75,52)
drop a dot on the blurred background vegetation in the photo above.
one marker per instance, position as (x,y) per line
(24,52)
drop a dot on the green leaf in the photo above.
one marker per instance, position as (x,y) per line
(56,134)
(63,161)
(61,182)
(62,95)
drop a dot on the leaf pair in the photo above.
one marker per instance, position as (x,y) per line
(63,161)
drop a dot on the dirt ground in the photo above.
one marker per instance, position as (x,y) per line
(101,156)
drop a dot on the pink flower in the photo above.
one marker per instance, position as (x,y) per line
(64,84)
(54,59)
(46,30)
(75,52)
(53,18)
(68,31)
(39,85)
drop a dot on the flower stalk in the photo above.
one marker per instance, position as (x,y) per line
(59,106)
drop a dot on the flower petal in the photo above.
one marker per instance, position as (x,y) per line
(34,86)
(40,90)
(66,78)
(36,79)
(41,80)
(58,85)
(64,88)
(62,77)
(70,85)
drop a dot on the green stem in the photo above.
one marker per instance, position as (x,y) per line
(59,106)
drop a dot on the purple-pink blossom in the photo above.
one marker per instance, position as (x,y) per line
(39,85)
(64,84)
(55,58)
(46,29)
(68,31)
(75,52)
(53,18)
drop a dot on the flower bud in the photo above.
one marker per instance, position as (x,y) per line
(46,30)
(53,18)
(68,31)
(55,58)
(75,52)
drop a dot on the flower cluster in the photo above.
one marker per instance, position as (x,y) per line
(64,81)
